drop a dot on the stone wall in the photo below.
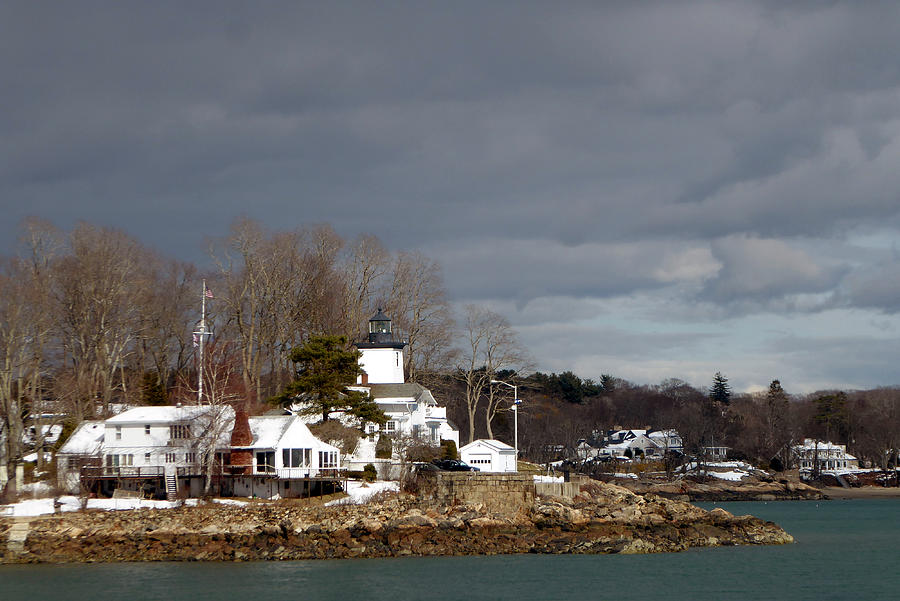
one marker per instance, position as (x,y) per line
(497,492)
(559,489)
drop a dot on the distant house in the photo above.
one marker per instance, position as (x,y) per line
(621,444)
(489,456)
(668,441)
(824,456)
(172,450)
(715,453)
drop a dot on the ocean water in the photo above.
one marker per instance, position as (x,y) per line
(844,550)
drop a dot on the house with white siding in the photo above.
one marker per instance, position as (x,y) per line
(411,409)
(185,450)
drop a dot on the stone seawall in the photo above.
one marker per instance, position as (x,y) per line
(507,493)
(602,518)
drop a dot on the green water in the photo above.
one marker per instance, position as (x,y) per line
(844,550)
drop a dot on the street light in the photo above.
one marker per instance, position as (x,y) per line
(515,408)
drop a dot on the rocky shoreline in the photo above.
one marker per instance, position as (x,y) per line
(602,518)
(714,490)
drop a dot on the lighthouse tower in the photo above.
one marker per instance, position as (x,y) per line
(382,355)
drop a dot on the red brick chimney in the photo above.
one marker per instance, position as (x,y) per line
(241,439)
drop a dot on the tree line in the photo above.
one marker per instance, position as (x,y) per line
(91,317)
(560,409)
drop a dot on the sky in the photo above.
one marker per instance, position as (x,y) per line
(645,189)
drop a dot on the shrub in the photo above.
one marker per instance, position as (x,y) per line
(448,449)
(370,474)
(384,448)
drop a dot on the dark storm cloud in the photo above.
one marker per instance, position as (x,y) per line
(696,150)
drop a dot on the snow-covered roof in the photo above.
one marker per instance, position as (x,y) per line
(494,445)
(85,440)
(167,414)
(269,430)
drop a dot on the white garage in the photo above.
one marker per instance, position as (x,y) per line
(489,456)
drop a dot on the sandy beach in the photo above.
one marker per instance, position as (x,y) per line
(863,492)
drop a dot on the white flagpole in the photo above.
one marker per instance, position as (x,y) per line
(202,336)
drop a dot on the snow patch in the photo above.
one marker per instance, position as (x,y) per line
(359,492)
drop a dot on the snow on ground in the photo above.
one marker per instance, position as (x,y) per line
(624,475)
(35,507)
(231,502)
(360,492)
(733,476)
(548,479)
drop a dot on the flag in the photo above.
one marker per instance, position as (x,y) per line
(196,340)
(209,293)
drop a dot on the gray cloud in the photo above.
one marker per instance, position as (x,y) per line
(716,155)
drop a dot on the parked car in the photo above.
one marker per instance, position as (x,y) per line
(454,465)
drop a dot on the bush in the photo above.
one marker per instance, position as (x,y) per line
(384,448)
(370,474)
(448,449)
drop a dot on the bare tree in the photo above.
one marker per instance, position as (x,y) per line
(418,304)
(94,295)
(491,346)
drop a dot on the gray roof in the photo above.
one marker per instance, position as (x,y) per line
(406,390)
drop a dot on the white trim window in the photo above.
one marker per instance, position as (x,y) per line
(327,459)
(296,457)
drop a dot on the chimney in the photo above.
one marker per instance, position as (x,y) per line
(241,439)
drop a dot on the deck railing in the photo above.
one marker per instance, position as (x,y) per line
(108,471)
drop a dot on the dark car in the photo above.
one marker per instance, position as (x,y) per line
(454,465)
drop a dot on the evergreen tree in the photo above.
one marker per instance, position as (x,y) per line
(325,368)
(720,391)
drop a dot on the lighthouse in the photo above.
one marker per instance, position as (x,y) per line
(382,355)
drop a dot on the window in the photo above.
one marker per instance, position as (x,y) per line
(391,427)
(295,457)
(417,431)
(190,457)
(397,358)
(119,460)
(179,431)
(370,428)
(434,433)
(118,432)
(147,429)
(327,459)
(170,457)
(146,457)
(265,461)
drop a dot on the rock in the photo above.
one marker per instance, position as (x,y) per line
(603,518)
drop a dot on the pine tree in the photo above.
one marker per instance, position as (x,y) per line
(325,368)
(720,391)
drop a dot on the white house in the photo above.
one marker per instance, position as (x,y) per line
(827,456)
(285,456)
(489,455)
(172,450)
(410,408)
(668,441)
(629,444)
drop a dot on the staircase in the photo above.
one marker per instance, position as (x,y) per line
(171,484)
(18,532)
(843,482)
